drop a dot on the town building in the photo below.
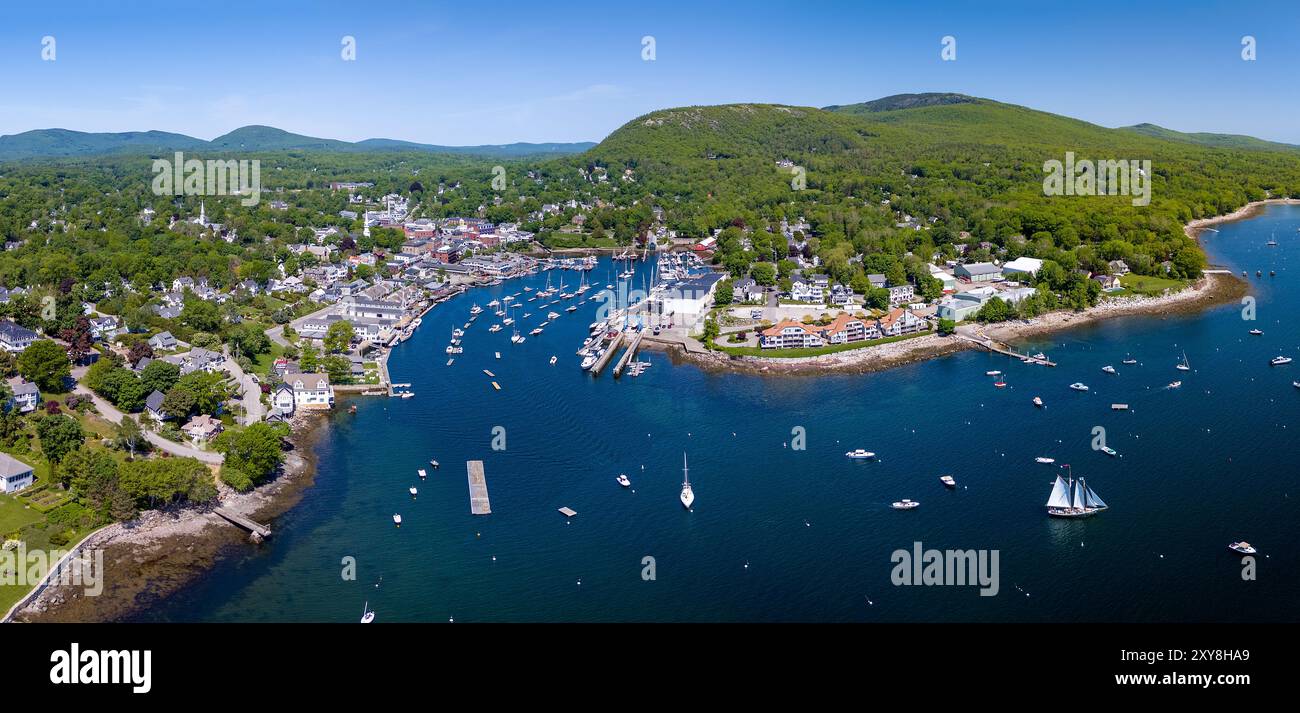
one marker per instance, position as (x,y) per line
(978,272)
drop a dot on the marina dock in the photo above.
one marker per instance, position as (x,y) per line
(1005,350)
(478,492)
(259,531)
(628,355)
(608,355)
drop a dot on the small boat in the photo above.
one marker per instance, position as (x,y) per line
(1280,360)
(414,492)
(1119,407)
(367,616)
(905,504)
(421,472)
(475,309)
(948,480)
(1042,459)
(1129,360)
(455,350)
(1079,386)
(993,373)
(688,495)
(1175,384)
(588,361)
(508,321)
(536,332)
(498,354)
(623,481)
(1296,384)
(1109,369)
(1038,401)
(552,361)
(1040,356)
(552,315)
(571,308)
(397,519)
(495,328)
(493,303)
(1109,451)
(1184,366)
(1000,384)
(352,408)
(1243,548)
(1256,332)
(860,454)
(433,463)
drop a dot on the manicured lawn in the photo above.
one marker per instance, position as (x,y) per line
(1147,285)
(15,515)
(812,351)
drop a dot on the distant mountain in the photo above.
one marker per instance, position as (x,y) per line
(54,143)
(906,101)
(1224,141)
(62,143)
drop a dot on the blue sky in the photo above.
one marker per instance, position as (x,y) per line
(502,71)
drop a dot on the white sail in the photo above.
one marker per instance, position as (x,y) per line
(1060,497)
(1090,497)
(1077,496)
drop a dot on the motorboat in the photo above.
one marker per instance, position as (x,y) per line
(1079,386)
(948,480)
(552,361)
(1242,548)
(1109,369)
(905,504)
(1043,459)
(1256,332)
(1108,451)
(1175,384)
(623,481)
(495,328)
(1038,401)
(397,519)
(993,373)
(421,472)
(860,454)
(1280,360)
(414,492)
(536,332)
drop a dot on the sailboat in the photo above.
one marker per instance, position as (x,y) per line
(1072,498)
(367,616)
(1185,366)
(688,495)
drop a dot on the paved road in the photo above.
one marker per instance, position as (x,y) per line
(250,392)
(112,413)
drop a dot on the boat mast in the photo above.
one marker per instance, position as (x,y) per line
(686,480)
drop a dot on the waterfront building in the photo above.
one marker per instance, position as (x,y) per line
(311,391)
(202,428)
(689,300)
(900,321)
(1026,265)
(790,334)
(978,272)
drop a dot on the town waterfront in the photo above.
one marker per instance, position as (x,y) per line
(782,534)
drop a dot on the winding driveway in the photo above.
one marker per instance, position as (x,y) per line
(112,413)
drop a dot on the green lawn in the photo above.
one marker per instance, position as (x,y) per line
(812,351)
(1147,285)
(15,515)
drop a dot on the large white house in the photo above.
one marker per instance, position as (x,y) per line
(14,338)
(311,391)
(14,474)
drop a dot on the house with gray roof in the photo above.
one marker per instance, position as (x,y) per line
(14,474)
(15,338)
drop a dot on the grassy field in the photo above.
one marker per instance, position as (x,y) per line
(15,515)
(1147,285)
(812,351)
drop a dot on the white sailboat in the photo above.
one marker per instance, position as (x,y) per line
(688,495)
(1185,366)
(1072,498)
(367,616)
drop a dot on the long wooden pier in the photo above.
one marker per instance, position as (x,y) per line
(628,355)
(608,355)
(478,492)
(993,346)
(259,531)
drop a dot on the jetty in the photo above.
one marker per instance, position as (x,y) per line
(608,355)
(257,531)
(628,355)
(1006,350)
(478,492)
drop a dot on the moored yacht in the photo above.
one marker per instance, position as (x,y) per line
(367,616)
(397,519)
(623,481)
(1079,386)
(948,480)
(1109,369)
(1243,548)
(688,495)
(1072,498)
(1280,360)
(905,504)
(1256,332)
(1038,401)
(860,454)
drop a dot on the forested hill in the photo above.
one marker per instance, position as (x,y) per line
(62,143)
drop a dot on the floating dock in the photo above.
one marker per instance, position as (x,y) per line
(478,492)
(628,355)
(568,512)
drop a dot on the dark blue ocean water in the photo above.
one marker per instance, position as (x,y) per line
(1201,466)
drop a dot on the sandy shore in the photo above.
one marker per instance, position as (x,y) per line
(1247,211)
(163,550)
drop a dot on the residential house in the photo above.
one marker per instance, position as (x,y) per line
(14,474)
(789,334)
(282,398)
(202,428)
(26,398)
(1119,268)
(163,340)
(1108,282)
(153,406)
(847,328)
(801,291)
(747,290)
(900,321)
(311,391)
(14,338)
(901,295)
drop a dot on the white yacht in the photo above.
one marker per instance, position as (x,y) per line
(623,481)
(1185,366)
(1044,459)
(688,495)
(1280,360)
(1243,547)
(1072,498)
(536,331)
(414,492)
(860,454)
(475,309)
(1079,386)
(552,361)
(905,504)
(552,315)
(588,361)
(1109,369)
(1256,332)
(948,480)
(495,328)
(397,519)
(1038,401)
(367,616)
(421,472)
(1109,451)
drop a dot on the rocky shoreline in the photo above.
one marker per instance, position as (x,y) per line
(160,552)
